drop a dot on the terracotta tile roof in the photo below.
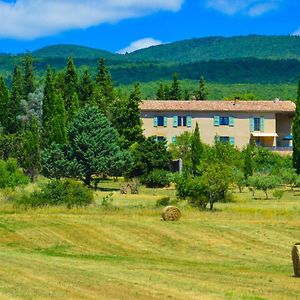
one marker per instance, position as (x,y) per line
(239,106)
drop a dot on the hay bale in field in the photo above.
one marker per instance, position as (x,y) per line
(171,213)
(296,259)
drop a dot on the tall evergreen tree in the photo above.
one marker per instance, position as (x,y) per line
(296,134)
(126,118)
(248,162)
(59,132)
(4,101)
(48,109)
(196,150)
(85,88)
(167,92)
(160,94)
(104,81)
(31,160)
(70,90)
(14,125)
(28,76)
(175,91)
(201,93)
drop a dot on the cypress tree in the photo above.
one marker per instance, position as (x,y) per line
(196,150)
(31,161)
(70,90)
(167,92)
(13,124)
(59,133)
(85,89)
(201,93)
(296,134)
(104,81)
(4,101)
(127,119)
(28,76)
(175,91)
(248,162)
(48,109)
(160,94)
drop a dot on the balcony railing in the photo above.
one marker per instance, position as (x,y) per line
(281,149)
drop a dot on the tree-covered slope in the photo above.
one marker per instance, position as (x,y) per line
(63,51)
(265,47)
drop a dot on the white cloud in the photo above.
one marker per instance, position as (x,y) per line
(140,44)
(30,19)
(297,32)
(251,8)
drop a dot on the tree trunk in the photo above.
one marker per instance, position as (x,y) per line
(88,179)
(211,201)
(267,196)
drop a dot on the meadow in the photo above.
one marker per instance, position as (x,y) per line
(124,251)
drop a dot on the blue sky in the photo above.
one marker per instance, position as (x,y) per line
(131,24)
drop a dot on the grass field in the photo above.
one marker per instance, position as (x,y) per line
(240,251)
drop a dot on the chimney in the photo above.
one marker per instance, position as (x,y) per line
(236,100)
(277,99)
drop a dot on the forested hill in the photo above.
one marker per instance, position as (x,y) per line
(243,59)
(216,48)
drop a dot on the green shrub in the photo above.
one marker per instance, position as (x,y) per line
(55,193)
(278,194)
(164,201)
(157,179)
(107,201)
(10,174)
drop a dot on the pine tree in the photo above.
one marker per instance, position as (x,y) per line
(59,132)
(104,81)
(201,93)
(175,91)
(248,162)
(70,90)
(31,160)
(28,76)
(196,150)
(4,101)
(13,124)
(186,94)
(167,92)
(48,109)
(126,118)
(85,89)
(296,134)
(160,94)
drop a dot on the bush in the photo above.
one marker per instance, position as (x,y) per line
(264,183)
(55,193)
(157,179)
(10,174)
(164,201)
(278,194)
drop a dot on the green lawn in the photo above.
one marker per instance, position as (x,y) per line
(240,251)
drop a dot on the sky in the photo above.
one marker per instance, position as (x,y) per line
(128,25)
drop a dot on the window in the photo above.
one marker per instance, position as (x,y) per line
(161,139)
(257,125)
(160,121)
(182,121)
(224,121)
(224,139)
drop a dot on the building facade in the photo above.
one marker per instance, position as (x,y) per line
(268,123)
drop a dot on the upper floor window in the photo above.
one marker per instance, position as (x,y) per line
(224,121)
(160,121)
(257,124)
(182,121)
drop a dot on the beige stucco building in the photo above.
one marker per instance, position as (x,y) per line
(268,123)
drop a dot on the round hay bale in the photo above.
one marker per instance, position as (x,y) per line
(296,259)
(171,213)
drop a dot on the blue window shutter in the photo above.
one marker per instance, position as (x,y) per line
(217,121)
(155,122)
(262,124)
(165,121)
(189,121)
(175,121)
(251,124)
(231,121)
(174,139)
(232,141)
